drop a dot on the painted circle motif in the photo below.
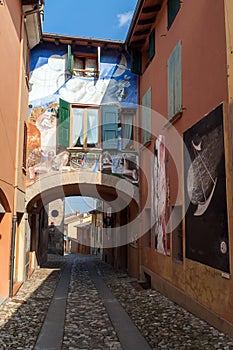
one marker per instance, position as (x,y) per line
(223,247)
(54,213)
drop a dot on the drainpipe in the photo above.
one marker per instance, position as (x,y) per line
(12,254)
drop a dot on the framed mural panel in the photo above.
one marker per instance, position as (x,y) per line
(205,192)
(159,197)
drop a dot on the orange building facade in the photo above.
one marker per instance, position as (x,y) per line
(18,35)
(181,51)
(182,55)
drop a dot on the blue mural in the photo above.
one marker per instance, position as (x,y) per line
(52,81)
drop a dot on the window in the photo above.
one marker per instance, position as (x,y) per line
(135,61)
(85,66)
(127,130)
(84,127)
(173,7)
(109,127)
(80,128)
(151,52)
(175,83)
(146,117)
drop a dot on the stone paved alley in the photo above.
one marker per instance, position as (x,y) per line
(163,324)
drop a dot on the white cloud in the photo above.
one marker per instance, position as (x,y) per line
(124,18)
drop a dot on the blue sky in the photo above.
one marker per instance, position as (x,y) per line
(83,204)
(105,19)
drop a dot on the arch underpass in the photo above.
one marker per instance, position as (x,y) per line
(119,193)
(114,189)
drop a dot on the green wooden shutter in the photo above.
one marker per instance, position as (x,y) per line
(109,127)
(175,82)
(64,123)
(152,45)
(173,7)
(146,117)
(70,66)
(135,61)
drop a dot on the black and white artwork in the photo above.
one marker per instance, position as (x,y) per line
(205,192)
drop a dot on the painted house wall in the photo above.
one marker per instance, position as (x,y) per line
(51,81)
(201,28)
(13,107)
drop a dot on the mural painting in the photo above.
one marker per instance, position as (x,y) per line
(205,192)
(50,82)
(159,196)
(121,163)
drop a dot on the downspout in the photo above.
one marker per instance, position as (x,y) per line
(12,254)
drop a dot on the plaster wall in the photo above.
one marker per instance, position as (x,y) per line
(201,28)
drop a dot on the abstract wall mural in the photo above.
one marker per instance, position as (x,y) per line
(121,163)
(52,82)
(205,192)
(159,196)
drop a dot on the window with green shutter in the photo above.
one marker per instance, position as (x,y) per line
(173,7)
(151,45)
(109,127)
(146,117)
(64,123)
(175,82)
(135,61)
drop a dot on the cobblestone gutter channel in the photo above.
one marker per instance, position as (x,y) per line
(22,316)
(164,324)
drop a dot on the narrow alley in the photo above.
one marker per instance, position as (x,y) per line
(96,306)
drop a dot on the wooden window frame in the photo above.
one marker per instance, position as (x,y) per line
(85,108)
(84,71)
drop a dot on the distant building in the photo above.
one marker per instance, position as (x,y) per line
(77,229)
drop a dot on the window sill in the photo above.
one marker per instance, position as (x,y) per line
(173,119)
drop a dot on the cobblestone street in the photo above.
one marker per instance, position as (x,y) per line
(164,324)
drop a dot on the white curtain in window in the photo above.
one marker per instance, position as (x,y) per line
(92,127)
(77,130)
(127,124)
